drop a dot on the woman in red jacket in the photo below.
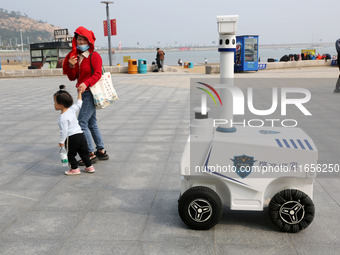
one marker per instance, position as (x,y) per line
(77,66)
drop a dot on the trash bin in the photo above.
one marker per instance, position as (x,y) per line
(191,65)
(142,66)
(132,66)
(186,64)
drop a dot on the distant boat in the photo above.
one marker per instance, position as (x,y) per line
(184,48)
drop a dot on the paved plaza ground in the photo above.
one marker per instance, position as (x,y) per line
(129,205)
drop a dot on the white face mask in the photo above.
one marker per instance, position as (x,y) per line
(83,47)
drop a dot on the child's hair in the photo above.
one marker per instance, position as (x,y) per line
(63,97)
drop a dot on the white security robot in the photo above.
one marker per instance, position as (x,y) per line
(244,168)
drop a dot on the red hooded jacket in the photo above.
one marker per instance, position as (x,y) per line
(82,73)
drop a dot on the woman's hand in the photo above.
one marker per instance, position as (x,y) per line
(72,61)
(82,87)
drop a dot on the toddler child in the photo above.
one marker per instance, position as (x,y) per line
(70,131)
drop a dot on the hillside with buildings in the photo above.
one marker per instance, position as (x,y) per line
(32,31)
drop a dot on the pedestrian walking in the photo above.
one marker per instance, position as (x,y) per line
(84,65)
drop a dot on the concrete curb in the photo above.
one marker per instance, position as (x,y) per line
(30,73)
(213,69)
(59,71)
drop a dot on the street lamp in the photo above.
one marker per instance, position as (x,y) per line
(108,28)
(22,43)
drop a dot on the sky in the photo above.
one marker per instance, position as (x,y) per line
(190,22)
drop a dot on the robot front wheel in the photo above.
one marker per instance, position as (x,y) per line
(200,208)
(291,210)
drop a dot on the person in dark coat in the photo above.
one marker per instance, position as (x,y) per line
(337,47)
(160,59)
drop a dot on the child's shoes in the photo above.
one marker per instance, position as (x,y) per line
(77,171)
(73,172)
(89,169)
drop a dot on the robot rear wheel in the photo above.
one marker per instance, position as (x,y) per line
(291,210)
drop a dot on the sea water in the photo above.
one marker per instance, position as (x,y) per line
(197,57)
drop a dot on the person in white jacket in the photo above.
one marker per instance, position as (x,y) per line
(71,134)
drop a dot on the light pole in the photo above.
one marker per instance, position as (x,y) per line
(22,43)
(108,28)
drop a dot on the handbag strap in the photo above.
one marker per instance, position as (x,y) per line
(92,71)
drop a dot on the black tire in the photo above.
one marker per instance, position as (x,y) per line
(291,210)
(200,208)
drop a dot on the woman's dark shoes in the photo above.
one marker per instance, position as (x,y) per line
(93,159)
(101,155)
